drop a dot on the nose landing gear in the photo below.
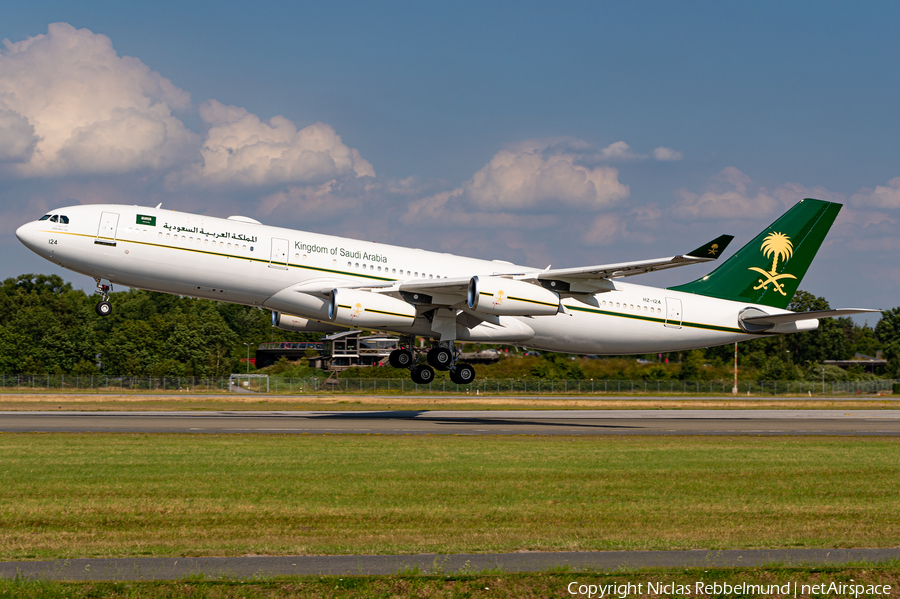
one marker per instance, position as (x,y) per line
(103,307)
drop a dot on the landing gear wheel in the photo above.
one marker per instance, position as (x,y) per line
(422,374)
(440,357)
(463,374)
(400,358)
(103,308)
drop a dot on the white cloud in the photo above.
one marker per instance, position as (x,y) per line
(90,110)
(733,203)
(883,196)
(529,186)
(447,209)
(240,148)
(17,138)
(667,154)
(313,201)
(603,230)
(70,105)
(529,180)
(619,150)
(791,193)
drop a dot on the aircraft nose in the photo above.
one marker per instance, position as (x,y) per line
(25,234)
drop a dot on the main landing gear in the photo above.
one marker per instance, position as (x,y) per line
(442,356)
(103,307)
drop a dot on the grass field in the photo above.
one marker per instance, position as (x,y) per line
(85,495)
(153,402)
(540,584)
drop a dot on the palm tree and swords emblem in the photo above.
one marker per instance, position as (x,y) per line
(779,247)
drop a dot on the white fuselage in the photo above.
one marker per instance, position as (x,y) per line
(249,263)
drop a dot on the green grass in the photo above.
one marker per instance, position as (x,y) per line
(85,495)
(341,402)
(538,584)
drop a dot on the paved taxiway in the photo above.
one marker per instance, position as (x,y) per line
(436,422)
(169,568)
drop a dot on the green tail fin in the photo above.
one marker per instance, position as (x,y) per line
(768,270)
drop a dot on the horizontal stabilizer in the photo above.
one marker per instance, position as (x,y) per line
(774,319)
(754,320)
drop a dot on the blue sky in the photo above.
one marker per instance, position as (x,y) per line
(565,134)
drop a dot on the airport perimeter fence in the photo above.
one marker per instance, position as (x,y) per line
(293,386)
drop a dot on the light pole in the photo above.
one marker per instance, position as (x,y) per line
(248,357)
(734,390)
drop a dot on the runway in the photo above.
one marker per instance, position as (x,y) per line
(171,568)
(507,422)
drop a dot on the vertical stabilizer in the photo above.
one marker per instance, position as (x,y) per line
(769,269)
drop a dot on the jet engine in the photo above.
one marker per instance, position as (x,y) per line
(298,324)
(356,308)
(509,297)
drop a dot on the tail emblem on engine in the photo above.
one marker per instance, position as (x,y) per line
(355,312)
(777,246)
(498,298)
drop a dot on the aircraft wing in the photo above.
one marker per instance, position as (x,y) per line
(439,292)
(705,253)
(417,291)
(453,291)
(454,285)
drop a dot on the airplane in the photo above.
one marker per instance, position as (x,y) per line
(322,283)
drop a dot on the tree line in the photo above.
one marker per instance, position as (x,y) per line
(47,327)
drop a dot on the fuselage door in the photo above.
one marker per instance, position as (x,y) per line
(106,234)
(279,256)
(673,313)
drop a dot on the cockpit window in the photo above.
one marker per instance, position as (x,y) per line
(64,220)
(45,217)
(54,219)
